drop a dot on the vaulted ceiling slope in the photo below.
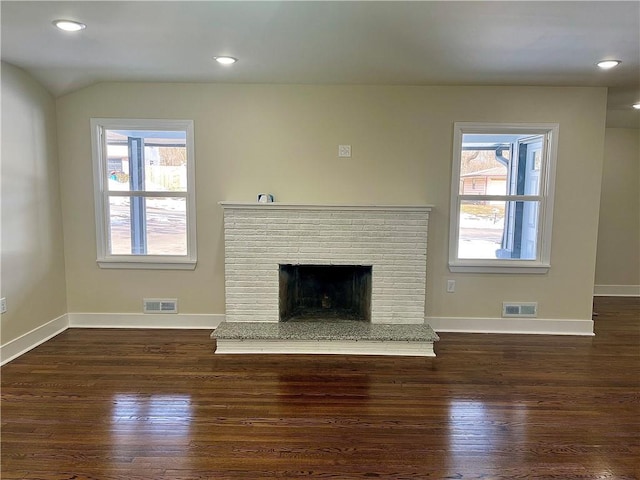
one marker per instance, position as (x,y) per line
(391,43)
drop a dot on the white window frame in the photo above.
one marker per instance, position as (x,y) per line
(101,194)
(542,262)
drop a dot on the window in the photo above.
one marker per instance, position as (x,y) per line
(144,193)
(502,197)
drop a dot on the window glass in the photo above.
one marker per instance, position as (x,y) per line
(166,226)
(498,230)
(119,225)
(151,160)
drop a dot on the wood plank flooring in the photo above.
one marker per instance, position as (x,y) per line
(157,404)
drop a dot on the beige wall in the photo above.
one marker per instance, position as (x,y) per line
(283,140)
(618,259)
(33,275)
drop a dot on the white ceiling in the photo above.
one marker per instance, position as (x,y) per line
(392,43)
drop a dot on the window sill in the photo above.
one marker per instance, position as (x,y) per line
(137,265)
(537,268)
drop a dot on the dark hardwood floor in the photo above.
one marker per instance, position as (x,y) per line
(157,404)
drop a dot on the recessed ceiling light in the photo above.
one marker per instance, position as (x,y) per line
(69,25)
(607,64)
(636,106)
(226,60)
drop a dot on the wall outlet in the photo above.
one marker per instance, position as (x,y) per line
(451,286)
(3,305)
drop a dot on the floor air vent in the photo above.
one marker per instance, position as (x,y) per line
(520,309)
(160,305)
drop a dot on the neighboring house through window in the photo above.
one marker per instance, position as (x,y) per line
(502,197)
(144,193)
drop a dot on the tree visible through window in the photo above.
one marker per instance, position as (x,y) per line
(502,196)
(144,198)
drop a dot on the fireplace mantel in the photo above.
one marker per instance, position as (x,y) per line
(323,206)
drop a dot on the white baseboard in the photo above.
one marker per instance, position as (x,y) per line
(145,320)
(13,349)
(541,326)
(30,340)
(616,291)
(37,336)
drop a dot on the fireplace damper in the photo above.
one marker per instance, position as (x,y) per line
(325,292)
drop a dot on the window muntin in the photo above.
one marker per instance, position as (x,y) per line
(145,201)
(502,196)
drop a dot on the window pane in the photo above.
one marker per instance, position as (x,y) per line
(498,230)
(529,166)
(119,226)
(484,171)
(166,226)
(500,164)
(148,226)
(149,160)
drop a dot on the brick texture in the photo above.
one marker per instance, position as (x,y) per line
(393,240)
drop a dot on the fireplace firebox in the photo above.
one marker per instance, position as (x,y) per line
(325,293)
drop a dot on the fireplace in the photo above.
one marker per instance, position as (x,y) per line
(344,279)
(264,242)
(325,292)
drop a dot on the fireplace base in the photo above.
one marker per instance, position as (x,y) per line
(343,337)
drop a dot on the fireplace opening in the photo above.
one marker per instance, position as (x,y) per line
(325,292)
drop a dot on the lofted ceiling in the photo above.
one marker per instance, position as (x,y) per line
(368,42)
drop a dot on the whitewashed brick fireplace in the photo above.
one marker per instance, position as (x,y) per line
(261,237)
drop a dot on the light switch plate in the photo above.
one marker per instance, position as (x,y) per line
(344,151)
